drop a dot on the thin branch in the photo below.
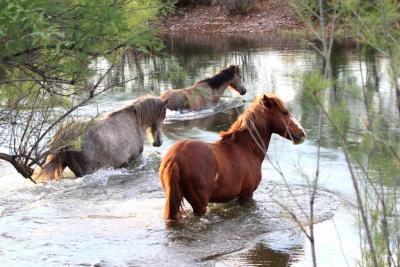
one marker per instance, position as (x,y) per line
(294,217)
(355,185)
(66,114)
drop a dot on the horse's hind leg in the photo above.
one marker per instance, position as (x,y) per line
(199,207)
(198,202)
(200,210)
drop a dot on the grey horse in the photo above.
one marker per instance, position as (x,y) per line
(111,140)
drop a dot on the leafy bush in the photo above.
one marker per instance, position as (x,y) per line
(239,6)
(49,54)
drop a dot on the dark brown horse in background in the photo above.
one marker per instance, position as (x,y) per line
(205,92)
(229,168)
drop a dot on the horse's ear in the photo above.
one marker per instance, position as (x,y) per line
(234,68)
(267,101)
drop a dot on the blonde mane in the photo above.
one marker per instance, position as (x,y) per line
(146,108)
(257,114)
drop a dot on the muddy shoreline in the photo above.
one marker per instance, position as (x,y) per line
(268,16)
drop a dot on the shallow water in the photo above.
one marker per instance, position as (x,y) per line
(114,217)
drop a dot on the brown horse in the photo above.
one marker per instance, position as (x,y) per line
(205,92)
(229,168)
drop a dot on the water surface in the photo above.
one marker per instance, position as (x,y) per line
(114,217)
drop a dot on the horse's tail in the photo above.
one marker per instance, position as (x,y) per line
(52,168)
(170,179)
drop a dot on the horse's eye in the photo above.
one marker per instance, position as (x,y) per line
(286,113)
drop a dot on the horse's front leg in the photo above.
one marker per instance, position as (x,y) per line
(250,185)
(75,161)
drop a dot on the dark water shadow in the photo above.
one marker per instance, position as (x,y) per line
(261,255)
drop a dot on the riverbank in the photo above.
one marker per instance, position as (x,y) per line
(268,16)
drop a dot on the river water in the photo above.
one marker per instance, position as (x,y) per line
(114,217)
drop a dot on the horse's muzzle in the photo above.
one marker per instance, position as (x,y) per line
(299,138)
(157,143)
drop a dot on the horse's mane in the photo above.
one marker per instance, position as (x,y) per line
(223,76)
(146,108)
(256,114)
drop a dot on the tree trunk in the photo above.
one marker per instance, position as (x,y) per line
(22,169)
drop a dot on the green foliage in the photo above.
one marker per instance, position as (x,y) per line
(309,10)
(173,72)
(339,113)
(49,54)
(66,35)
(70,135)
(377,24)
(315,84)
(50,44)
(374,147)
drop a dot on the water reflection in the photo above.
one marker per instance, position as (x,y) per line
(216,123)
(259,255)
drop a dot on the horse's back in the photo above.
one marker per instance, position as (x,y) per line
(188,153)
(177,99)
(192,98)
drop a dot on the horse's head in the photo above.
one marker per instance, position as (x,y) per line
(151,113)
(155,131)
(236,82)
(282,121)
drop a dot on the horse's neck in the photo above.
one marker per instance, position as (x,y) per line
(217,92)
(129,120)
(254,139)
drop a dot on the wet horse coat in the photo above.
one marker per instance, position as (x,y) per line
(112,140)
(229,168)
(204,92)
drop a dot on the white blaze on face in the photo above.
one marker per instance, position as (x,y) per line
(150,135)
(295,122)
